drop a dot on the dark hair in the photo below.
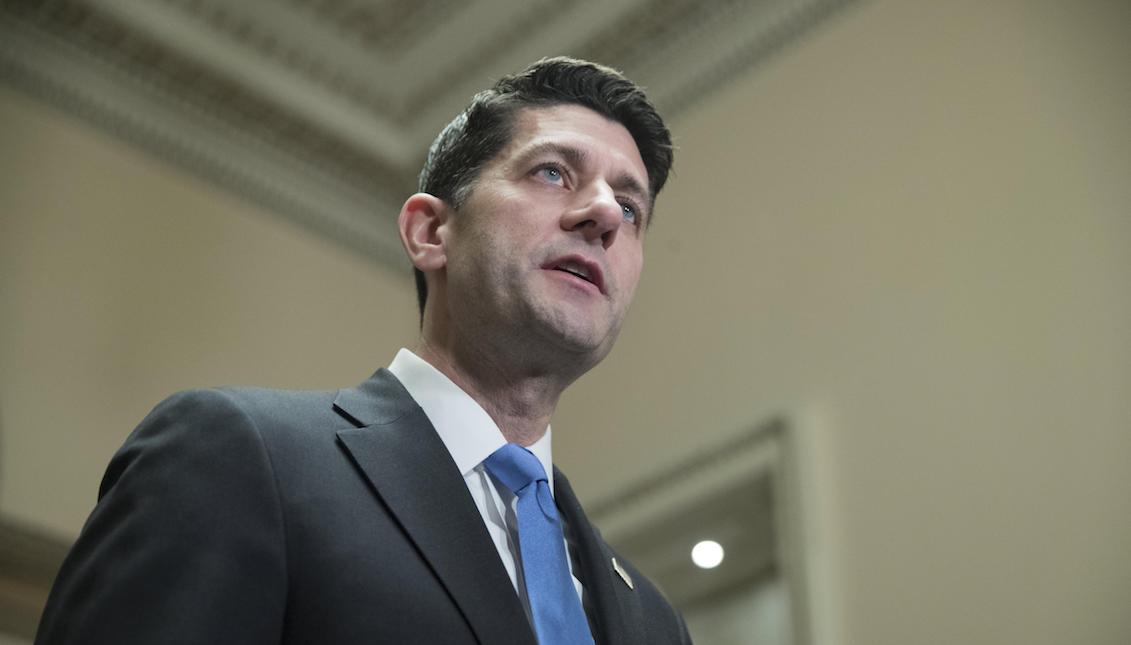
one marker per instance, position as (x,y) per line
(485,127)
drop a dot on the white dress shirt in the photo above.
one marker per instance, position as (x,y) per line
(470,435)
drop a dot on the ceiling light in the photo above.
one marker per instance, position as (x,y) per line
(707,554)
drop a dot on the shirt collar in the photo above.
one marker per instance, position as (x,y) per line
(468,432)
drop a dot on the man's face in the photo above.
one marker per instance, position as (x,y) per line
(548,246)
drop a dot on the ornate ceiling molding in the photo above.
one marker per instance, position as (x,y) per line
(322,110)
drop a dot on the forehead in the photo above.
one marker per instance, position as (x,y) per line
(579,127)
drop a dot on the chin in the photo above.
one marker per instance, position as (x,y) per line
(586,336)
(590,345)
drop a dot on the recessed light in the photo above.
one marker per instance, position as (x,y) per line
(707,554)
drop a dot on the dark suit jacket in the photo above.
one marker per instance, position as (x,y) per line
(251,516)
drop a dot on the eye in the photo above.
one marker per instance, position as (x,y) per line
(629,211)
(550,173)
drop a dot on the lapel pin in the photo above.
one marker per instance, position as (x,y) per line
(623,574)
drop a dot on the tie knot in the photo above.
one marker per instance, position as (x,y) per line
(515,467)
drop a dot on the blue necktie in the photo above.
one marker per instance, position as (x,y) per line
(554,606)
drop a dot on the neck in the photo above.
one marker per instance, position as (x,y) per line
(519,398)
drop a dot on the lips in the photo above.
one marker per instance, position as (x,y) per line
(579,267)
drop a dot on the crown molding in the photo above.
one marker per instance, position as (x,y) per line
(321,111)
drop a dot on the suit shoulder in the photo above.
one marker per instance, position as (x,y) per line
(220,420)
(260,401)
(191,497)
(260,407)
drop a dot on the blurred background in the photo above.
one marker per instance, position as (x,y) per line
(880,354)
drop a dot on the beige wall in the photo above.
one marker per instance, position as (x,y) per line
(909,232)
(124,280)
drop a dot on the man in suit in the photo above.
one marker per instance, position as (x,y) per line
(389,512)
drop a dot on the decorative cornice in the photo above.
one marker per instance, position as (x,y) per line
(322,110)
(94,70)
(525,25)
(385,28)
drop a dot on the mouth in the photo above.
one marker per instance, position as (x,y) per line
(581,268)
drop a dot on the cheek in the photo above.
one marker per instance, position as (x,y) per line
(496,264)
(628,271)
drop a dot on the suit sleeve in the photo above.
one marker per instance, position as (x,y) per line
(186,543)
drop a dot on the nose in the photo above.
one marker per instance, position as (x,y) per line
(598,216)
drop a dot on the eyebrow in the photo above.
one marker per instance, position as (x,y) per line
(579,158)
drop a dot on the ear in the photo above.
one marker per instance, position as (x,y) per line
(419,223)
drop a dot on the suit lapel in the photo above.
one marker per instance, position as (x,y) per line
(615,606)
(408,465)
